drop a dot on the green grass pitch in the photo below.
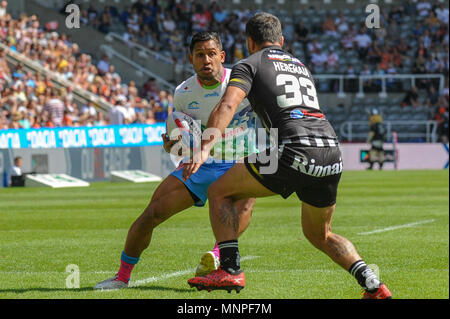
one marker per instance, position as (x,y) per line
(44,230)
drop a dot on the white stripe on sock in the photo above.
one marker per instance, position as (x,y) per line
(357,266)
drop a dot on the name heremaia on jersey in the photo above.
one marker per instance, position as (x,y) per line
(279,62)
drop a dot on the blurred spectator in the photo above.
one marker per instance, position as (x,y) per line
(378,71)
(117,114)
(376,139)
(423,7)
(411,98)
(332,58)
(348,41)
(200,18)
(390,83)
(363,42)
(341,23)
(409,8)
(329,26)
(150,117)
(367,83)
(3,6)
(16,171)
(302,34)
(433,97)
(164,106)
(442,13)
(103,65)
(129,114)
(442,119)
(55,109)
(89,109)
(99,119)
(319,60)
(105,20)
(374,53)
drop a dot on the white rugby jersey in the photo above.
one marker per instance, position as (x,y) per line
(198,101)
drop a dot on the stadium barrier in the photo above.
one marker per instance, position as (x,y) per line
(164,69)
(410,156)
(423,130)
(93,153)
(70,137)
(87,153)
(147,58)
(383,78)
(140,71)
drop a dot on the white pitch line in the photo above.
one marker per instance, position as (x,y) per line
(396,227)
(15,272)
(174,274)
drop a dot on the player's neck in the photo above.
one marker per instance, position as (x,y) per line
(259,47)
(213,83)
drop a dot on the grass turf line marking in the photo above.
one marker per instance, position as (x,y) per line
(174,274)
(397,227)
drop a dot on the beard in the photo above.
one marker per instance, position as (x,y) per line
(208,78)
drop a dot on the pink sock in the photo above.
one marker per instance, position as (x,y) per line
(216,250)
(124,273)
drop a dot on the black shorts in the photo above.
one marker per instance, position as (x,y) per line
(313,173)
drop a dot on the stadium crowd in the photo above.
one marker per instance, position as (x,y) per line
(328,42)
(30,100)
(390,49)
(412,38)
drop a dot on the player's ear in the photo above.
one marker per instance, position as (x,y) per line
(282,41)
(250,45)
(222,56)
(190,59)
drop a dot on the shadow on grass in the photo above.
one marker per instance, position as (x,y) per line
(84,289)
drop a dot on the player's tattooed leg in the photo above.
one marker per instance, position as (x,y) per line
(340,248)
(229,215)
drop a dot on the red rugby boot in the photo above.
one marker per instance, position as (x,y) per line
(219,280)
(381,293)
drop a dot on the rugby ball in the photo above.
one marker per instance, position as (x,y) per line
(179,123)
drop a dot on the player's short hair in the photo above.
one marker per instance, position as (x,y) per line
(264,27)
(205,36)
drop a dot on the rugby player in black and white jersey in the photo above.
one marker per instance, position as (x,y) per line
(282,93)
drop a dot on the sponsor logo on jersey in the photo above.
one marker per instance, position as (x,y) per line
(297,114)
(284,58)
(302,164)
(193,105)
(214,94)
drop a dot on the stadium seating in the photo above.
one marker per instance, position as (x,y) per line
(411,27)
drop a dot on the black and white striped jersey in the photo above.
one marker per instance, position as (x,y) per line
(282,93)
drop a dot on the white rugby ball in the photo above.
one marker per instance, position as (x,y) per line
(179,123)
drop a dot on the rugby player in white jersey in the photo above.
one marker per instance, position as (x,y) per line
(196,97)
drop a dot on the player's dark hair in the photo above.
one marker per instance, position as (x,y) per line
(205,36)
(264,27)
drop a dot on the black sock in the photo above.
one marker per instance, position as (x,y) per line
(230,260)
(365,276)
